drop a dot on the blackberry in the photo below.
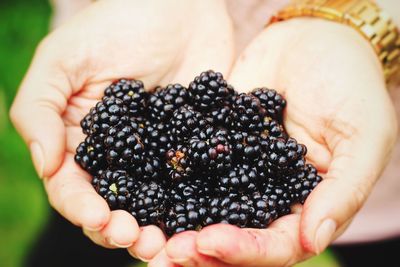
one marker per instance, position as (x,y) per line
(271,101)
(221,117)
(157,139)
(115,187)
(148,204)
(309,179)
(248,114)
(90,155)
(264,211)
(242,178)
(183,216)
(107,113)
(246,147)
(124,145)
(131,92)
(179,166)
(286,156)
(186,122)
(232,209)
(164,101)
(210,91)
(188,205)
(274,129)
(213,154)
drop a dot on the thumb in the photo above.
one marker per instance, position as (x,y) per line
(357,162)
(36,114)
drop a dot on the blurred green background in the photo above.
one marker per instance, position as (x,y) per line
(23,204)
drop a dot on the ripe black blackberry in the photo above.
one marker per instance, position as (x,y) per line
(309,179)
(186,122)
(264,211)
(274,129)
(157,139)
(148,204)
(213,154)
(248,114)
(124,146)
(271,101)
(164,101)
(232,209)
(246,147)
(131,92)
(210,91)
(179,166)
(90,155)
(221,117)
(107,113)
(115,187)
(286,156)
(241,178)
(187,209)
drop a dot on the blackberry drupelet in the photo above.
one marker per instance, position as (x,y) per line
(148,204)
(90,155)
(124,146)
(210,91)
(221,117)
(115,187)
(164,101)
(246,147)
(271,101)
(132,93)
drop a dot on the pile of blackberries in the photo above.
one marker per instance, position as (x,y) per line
(184,158)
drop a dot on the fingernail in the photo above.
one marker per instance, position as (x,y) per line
(324,235)
(37,158)
(115,244)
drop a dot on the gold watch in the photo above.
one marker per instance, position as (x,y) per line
(365,16)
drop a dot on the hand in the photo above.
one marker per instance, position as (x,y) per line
(158,42)
(339,108)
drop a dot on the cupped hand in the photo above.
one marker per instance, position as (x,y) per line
(338,106)
(158,42)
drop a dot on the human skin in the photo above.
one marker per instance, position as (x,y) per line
(148,40)
(339,107)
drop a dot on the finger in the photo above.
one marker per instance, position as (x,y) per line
(356,165)
(278,245)
(72,195)
(36,113)
(181,249)
(161,260)
(121,231)
(150,242)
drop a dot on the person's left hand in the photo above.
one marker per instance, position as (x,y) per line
(339,108)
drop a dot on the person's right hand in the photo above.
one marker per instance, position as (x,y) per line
(158,42)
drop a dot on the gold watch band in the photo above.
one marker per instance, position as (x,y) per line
(363,15)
